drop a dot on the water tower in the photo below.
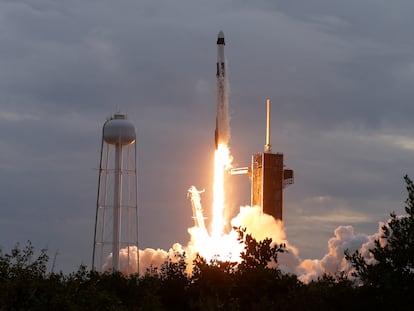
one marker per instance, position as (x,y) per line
(116,220)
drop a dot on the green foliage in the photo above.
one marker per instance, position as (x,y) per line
(211,284)
(174,282)
(174,268)
(335,292)
(392,273)
(258,254)
(149,292)
(256,283)
(22,276)
(20,262)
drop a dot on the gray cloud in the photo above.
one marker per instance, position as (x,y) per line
(339,74)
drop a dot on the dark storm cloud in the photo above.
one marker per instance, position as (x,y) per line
(340,75)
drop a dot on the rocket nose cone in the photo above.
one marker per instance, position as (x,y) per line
(220,38)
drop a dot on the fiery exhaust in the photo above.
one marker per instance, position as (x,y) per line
(222,162)
(215,243)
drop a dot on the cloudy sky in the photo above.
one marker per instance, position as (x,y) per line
(340,75)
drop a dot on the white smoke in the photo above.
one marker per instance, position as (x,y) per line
(260,226)
(334,261)
(228,248)
(150,260)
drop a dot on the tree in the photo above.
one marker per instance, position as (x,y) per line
(329,292)
(174,282)
(20,262)
(212,284)
(392,273)
(260,285)
(22,278)
(258,254)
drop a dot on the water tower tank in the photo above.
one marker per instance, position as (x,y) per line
(118,131)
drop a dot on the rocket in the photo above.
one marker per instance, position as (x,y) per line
(222,132)
(221,66)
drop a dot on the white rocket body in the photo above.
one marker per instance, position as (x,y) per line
(222,132)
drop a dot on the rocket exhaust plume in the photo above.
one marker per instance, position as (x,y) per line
(222,162)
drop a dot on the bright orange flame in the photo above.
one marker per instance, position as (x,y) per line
(216,244)
(222,162)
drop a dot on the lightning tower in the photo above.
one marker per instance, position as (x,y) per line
(116,219)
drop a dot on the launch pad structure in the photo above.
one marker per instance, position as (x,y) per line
(268,177)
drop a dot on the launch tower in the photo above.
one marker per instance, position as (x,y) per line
(268,177)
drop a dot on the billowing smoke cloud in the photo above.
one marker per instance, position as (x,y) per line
(228,247)
(260,226)
(334,260)
(150,260)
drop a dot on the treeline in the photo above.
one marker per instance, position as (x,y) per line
(254,284)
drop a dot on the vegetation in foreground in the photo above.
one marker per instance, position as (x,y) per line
(387,283)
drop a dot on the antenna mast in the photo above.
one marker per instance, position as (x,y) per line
(268,146)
